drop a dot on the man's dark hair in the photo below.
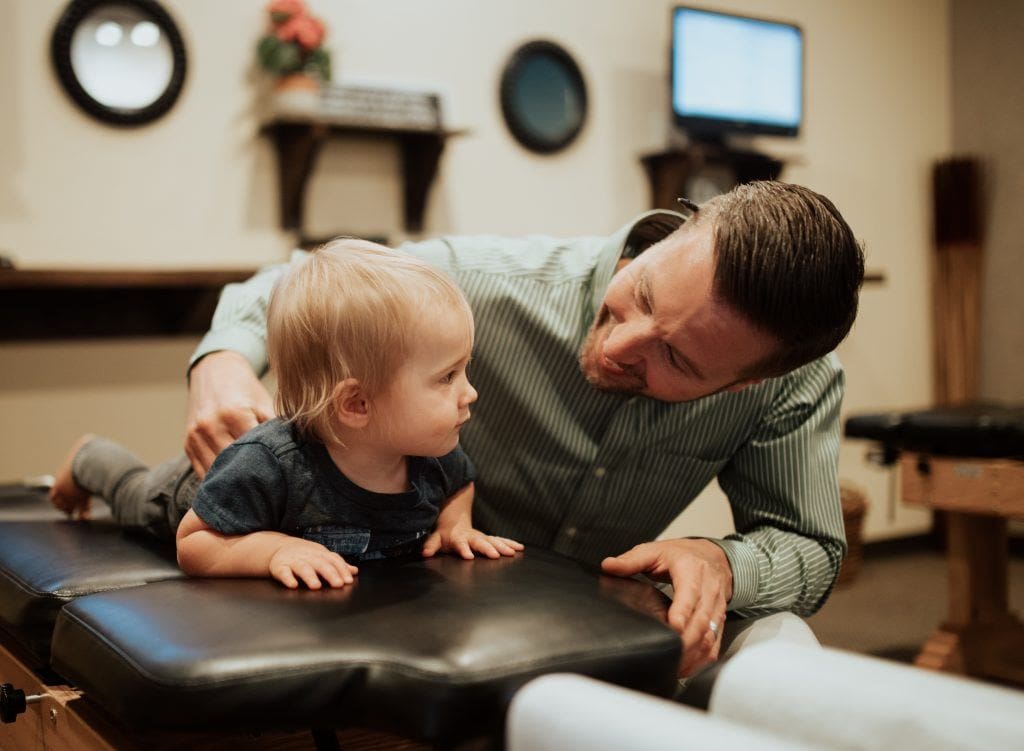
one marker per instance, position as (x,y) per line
(788,262)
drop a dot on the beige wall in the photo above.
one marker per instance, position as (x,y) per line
(988,109)
(198,187)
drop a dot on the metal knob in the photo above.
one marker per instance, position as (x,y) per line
(13,702)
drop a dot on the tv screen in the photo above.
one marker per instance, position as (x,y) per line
(735,74)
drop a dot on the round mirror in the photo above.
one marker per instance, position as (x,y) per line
(122,61)
(543,97)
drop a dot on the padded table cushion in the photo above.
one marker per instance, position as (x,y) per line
(21,503)
(45,564)
(976,430)
(430,648)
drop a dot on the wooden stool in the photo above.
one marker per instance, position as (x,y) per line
(980,635)
(968,461)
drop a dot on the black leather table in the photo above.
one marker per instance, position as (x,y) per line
(424,649)
(967,461)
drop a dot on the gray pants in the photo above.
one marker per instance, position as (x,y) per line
(153,500)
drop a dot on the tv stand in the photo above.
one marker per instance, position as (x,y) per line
(672,173)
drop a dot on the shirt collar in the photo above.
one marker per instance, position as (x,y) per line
(629,242)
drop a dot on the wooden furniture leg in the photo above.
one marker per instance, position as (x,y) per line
(980,636)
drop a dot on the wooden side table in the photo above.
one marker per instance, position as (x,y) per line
(980,636)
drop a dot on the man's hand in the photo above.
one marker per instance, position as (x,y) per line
(702,580)
(310,562)
(464,540)
(225,399)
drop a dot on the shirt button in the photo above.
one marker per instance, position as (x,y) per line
(600,472)
(570,532)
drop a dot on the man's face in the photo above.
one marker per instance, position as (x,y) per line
(661,333)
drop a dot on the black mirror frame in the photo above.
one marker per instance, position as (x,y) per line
(513,117)
(60,53)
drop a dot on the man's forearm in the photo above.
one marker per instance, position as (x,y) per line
(784,493)
(775,570)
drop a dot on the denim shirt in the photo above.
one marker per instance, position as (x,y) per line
(272,478)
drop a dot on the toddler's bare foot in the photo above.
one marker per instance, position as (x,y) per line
(65,493)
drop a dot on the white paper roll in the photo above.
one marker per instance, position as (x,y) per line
(561,712)
(834,699)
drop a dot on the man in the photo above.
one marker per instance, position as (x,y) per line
(609,398)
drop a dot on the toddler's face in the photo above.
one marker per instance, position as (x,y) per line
(428,402)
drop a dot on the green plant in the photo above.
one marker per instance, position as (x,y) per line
(294,42)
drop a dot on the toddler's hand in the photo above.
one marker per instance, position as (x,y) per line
(464,540)
(310,562)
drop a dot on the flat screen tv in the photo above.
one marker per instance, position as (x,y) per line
(735,74)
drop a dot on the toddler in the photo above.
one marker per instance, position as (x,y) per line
(370,348)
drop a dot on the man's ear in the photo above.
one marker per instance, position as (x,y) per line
(740,385)
(351,406)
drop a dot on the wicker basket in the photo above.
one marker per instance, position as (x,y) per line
(854,506)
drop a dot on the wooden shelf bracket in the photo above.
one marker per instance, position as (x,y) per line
(298,144)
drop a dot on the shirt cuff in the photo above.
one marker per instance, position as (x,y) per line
(239,340)
(745,572)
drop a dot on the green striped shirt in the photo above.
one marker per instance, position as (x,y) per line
(590,474)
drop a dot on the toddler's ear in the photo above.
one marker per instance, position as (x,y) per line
(351,406)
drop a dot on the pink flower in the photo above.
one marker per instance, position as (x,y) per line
(282,10)
(306,30)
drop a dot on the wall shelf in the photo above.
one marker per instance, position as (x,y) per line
(670,172)
(43,304)
(298,142)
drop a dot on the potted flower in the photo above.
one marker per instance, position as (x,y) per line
(292,47)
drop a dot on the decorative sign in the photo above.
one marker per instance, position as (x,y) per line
(380,108)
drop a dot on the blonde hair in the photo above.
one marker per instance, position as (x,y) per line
(351,309)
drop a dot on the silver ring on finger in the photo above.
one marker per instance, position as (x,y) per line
(713,627)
